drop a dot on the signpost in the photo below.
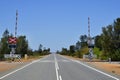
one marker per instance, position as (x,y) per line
(12,45)
(12,41)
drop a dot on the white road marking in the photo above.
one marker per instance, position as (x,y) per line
(46,61)
(65,60)
(56,63)
(57,73)
(21,68)
(16,70)
(57,69)
(60,78)
(35,61)
(95,69)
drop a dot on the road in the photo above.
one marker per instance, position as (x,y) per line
(57,67)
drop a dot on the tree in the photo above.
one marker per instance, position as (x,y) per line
(22,45)
(78,54)
(4,49)
(111,40)
(78,45)
(116,33)
(64,51)
(83,39)
(30,51)
(6,34)
(107,40)
(72,49)
(40,48)
(46,51)
(98,42)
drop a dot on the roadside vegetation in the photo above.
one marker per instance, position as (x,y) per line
(107,44)
(22,47)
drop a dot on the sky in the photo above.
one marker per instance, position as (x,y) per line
(57,23)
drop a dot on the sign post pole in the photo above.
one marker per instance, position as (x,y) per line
(12,45)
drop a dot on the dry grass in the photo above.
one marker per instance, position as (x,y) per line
(4,66)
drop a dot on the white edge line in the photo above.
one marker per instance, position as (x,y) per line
(95,69)
(15,71)
(20,68)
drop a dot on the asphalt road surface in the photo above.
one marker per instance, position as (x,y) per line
(57,67)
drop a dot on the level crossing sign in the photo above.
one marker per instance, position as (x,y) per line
(12,40)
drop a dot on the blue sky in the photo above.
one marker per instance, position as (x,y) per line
(57,23)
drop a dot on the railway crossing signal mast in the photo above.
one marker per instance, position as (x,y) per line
(13,40)
(90,42)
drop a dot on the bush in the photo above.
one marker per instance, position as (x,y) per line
(116,55)
(1,57)
(78,54)
(97,52)
(84,50)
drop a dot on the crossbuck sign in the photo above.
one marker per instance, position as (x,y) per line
(12,40)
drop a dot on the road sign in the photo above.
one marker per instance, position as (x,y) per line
(91,43)
(12,45)
(12,40)
(12,56)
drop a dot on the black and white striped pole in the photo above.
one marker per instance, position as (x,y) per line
(90,42)
(16,23)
